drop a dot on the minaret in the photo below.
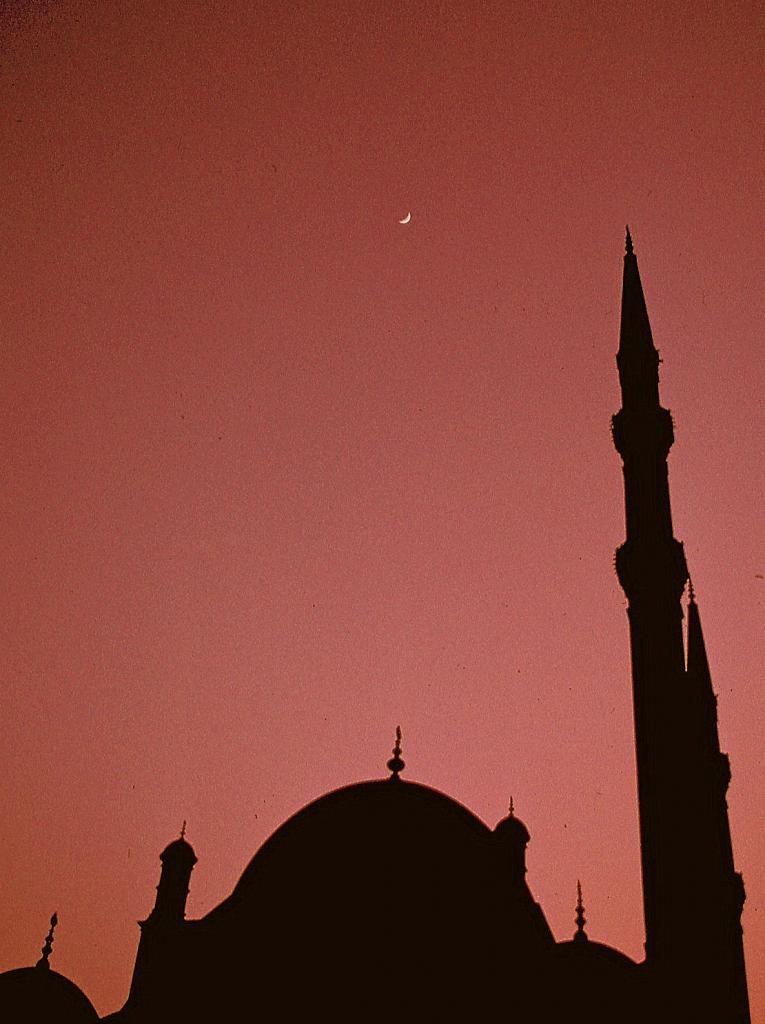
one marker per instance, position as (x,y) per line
(719,880)
(652,571)
(687,887)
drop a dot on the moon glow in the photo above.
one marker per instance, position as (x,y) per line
(407,218)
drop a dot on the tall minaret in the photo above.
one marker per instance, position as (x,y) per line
(691,895)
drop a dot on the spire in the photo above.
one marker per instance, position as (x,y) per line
(643,433)
(396,765)
(48,947)
(697,663)
(637,359)
(691,899)
(581,935)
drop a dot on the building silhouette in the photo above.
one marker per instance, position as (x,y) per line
(387,899)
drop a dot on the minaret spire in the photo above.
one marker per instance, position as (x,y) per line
(688,879)
(637,358)
(698,663)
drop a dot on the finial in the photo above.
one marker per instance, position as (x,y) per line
(396,765)
(48,947)
(628,242)
(691,591)
(511,808)
(581,920)
(183,829)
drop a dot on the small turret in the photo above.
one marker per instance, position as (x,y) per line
(178,860)
(160,962)
(514,837)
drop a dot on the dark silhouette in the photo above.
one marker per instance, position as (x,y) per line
(388,899)
(38,995)
(692,896)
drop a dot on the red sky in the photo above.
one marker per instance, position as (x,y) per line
(280,473)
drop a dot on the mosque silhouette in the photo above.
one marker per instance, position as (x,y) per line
(389,901)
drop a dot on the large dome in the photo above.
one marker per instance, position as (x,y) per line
(381,887)
(381,820)
(394,861)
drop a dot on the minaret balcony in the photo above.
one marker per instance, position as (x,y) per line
(653,574)
(641,433)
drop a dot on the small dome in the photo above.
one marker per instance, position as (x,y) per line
(512,829)
(179,852)
(596,957)
(38,995)
(606,985)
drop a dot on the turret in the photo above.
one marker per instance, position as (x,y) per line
(161,959)
(513,837)
(178,860)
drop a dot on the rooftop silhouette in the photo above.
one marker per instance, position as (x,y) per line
(389,892)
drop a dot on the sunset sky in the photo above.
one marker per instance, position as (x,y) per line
(280,473)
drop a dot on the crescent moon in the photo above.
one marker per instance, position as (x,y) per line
(407,218)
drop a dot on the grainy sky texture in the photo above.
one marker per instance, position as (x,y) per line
(280,473)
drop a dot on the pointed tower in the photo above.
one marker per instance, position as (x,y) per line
(688,888)
(722,887)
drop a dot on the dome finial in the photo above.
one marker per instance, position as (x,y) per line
(691,591)
(511,808)
(183,829)
(581,920)
(48,947)
(396,765)
(628,242)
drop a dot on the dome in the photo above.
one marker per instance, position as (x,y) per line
(596,957)
(512,829)
(179,852)
(389,816)
(387,840)
(606,984)
(38,995)
(381,886)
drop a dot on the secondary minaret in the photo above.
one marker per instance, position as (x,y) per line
(691,895)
